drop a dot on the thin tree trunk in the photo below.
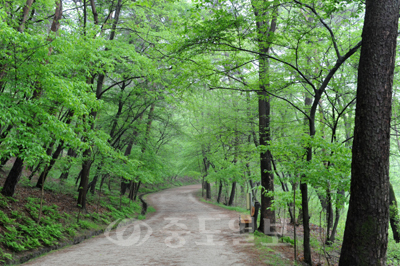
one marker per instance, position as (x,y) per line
(92,184)
(231,198)
(208,190)
(332,236)
(71,153)
(305,218)
(103,178)
(329,211)
(124,186)
(78,178)
(48,167)
(36,169)
(253,192)
(94,12)
(25,15)
(219,191)
(131,190)
(137,190)
(394,215)
(83,186)
(55,155)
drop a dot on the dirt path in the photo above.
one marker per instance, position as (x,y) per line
(183,231)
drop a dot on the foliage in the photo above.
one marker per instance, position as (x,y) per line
(174,93)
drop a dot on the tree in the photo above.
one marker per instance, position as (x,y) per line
(16,171)
(365,238)
(266,19)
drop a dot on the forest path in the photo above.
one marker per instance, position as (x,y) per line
(183,231)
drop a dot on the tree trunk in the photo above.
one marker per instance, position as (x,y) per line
(253,191)
(26,11)
(124,186)
(131,189)
(137,189)
(305,218)
(48,167)
(332,236)
(103,178)
(208,190)
(65,173)
(394,215)
(266,25)
(329,211)
(55,155)
(92,184)
(78,178)
(13,178)
(306,222)
(83,186)
(326,205)
(232,197)
(33,172)
(207,185)
(267,179)
(219,191)
(366,232)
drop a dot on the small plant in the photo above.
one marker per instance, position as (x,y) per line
(16,214)
(34,200)
(31,243)
(70,231)
(54,230)
(287,239)
(11,239)
(66,215)
(3,202)
(95,216)
(4,256)
(84,224)
(12,199)
(48,241)
(46,221)
(105,221)
(14,245)
(5,220)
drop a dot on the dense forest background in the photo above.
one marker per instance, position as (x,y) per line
(125,93)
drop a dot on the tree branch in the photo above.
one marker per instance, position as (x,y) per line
(325,25)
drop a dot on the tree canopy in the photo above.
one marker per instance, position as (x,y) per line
(257,94)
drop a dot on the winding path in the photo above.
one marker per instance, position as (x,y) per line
(183,231)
